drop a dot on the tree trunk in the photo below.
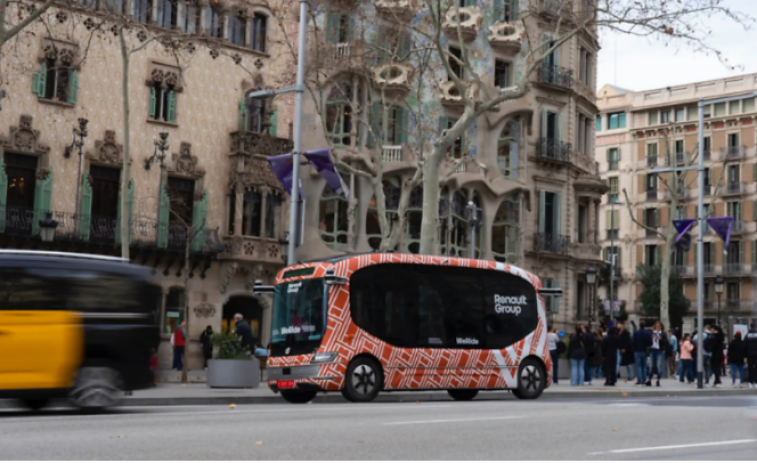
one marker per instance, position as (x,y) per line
(125,225)
(431,201)
(665,275)
(187,248)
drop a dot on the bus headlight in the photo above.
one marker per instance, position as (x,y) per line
(324,357)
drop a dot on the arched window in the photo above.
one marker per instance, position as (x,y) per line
(252,213)
(505,231)
(414,219)
(458,239)
(258,32)
(333,217)
(213,23)
(392,189)
(507,149)
(175,306)
(237,30)
(272,214)
(339,111)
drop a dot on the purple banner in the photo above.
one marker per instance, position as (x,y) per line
(321,160)
(722,226)
(682,226)
(282,167)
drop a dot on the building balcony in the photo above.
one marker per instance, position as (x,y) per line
(587,251)
(679,194)
(469,22)
(651,161)
(394,7)
(613,234)
(734,268)
(679,158)
(551,9)
(734,305)
(391,153)
(555,244)
(506,37)
(651,195)
(739,226)
(550,149)
(732,189)
(554,75)
(682,270)
(393,76)
(732,152)
(707,155)
(254,248)
(450,95)
(613,165)
(654,233)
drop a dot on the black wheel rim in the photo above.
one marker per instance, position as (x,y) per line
(530,378)
(364,379)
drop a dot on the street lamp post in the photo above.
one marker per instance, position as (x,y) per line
(47,228)
(159,156)
(80,132)
(718,291)
(612,260)
(591,278)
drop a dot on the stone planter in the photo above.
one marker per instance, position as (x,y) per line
(235,374)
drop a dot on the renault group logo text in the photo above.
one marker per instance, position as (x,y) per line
(294,287)
(509,304)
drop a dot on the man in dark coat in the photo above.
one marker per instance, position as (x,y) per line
(610,345)
(626,350)
(243,331)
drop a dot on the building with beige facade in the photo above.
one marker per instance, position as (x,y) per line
(630,141)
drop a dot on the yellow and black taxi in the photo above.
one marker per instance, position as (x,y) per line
(75,326)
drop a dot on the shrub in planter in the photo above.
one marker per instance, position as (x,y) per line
(229,347)
(233,366)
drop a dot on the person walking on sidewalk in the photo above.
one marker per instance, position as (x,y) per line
(610,345)
(736,356)
(673,342)
(715,342)
(589,347)
(179,342)
(641,341)
(552,340)
(597,357)
(625,351)
(577,356)
(687,360)
(207,347)
(751,355)
(706,354)
(657,351)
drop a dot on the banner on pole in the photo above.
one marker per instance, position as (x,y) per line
(611,311)
(322,162)
(282,166)
(722,226)
(682,226)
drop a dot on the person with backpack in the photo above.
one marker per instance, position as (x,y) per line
(577,356)
(641,342)
(589,346)
(706,354)
(552,344)
(658,348)
(715,344)
(610,348)
(751,355)
(736,356)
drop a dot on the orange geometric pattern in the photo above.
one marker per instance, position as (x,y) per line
(422,368)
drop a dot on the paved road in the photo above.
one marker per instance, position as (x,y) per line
(681,428)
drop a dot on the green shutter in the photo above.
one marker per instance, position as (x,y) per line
(558,126)
(73,87)
(658,252)
(606,254)
(86,208)
(351,28)
(622,120)
(171,106)
(754,210)
(712,252)
(274,120)
(558,214)
(243,115)
(542,209)
(374,119)
(43,197)
(515,12)
(754,172)
(754,253)
(42,81)
(618,263)
(381,45)
(401,125)
(404,46)
(36,77)
(130,205)
(3,195)
(333,20)
(152,103)
(598,124)
(499,10)
(163,215)
(199,225)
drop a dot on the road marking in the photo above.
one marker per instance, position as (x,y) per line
(681,446)
(455,420)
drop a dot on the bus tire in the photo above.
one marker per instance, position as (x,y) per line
(531,380)
(298,397)
(35,404)
(98,386)
(363,380)
(462,394)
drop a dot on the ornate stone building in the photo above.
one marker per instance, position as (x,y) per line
(213,175)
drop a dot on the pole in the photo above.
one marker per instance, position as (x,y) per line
(294,210)
(612,261)
(474,225)
(160,197)
(718,309)
(700,249)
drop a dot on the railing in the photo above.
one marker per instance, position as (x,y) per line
(681,270)
(707,155)
(651,161)
(460,168)
(101,229)
(555,75)
(18,220)
(709,269)
(679,193)
(733,151)
(733,188)
(554,149)
(613,234)
(555,7)
(613,165)
(740,305)
(341,50)
(557,244)
(391,153)
(735,268)
(653,232)
(177,237)
(144,232)
(681,157)
(651,194)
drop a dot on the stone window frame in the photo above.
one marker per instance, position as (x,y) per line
(166,76)
(187,166)
(24,139)
(66,56)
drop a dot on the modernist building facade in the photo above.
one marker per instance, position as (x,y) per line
(214,174)
(528,165)
(631,140)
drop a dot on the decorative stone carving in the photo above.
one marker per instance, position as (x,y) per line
(185,164)
(89,23)
(61,17)
(227,276)
(23,139)
(107,151)
(64,53)
(506,36)
(259,63)
(214,53)
(393,76)
(470,22)
(237,58)
(204,310)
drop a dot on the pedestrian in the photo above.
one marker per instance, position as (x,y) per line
(641,342)
(673,343)
(552,340)
(716,342)
(207,347)
(657,352)
(590,348)
(687,361)
(577,356)
(244,331)
(610,345)
(736,356)
(706,354)
(625,352)
(751,355)
(260,351)
(597,360)
(179,338)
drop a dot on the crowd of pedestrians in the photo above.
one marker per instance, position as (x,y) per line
(655,353)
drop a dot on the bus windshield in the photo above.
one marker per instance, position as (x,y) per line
(299,310)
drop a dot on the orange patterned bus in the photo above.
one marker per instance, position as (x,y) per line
(367,323)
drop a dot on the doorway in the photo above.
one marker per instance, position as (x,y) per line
(21,174)
(251,311)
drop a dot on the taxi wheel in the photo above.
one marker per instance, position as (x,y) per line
(298,397)
(531,380)
(35,404)
(363,381)
(97,387)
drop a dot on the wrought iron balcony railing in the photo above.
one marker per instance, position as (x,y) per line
(555,75)
(554,149)
(556,244)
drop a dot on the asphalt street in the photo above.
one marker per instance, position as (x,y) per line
(696,428)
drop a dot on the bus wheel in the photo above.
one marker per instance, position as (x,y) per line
(35,404)
(531,380)
(97,387)
(363,381)
(462,394)
(298,397)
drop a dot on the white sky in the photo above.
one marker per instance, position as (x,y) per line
(638,63)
